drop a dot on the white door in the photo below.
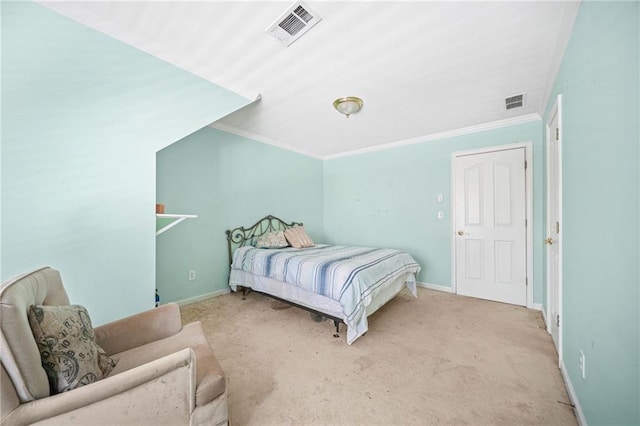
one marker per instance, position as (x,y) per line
(553,229)
(490,225)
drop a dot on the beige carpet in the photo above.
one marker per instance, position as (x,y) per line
(438,359)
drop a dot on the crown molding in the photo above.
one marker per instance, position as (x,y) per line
(259,138)
(442,135)
(390,145)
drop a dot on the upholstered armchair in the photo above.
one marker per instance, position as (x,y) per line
(164,373)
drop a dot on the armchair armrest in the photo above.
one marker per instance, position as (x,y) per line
(139,329)
(160,391)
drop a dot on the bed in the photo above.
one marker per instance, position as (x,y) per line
(343,283)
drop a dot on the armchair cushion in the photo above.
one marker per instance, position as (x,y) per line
(210,378)
(66,341)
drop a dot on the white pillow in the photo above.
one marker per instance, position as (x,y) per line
(272,240)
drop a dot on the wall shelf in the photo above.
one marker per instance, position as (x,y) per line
(164,222)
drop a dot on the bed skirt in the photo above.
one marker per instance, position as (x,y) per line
(320,303)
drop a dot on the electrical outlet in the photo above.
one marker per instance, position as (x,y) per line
(192,275)
(582,364)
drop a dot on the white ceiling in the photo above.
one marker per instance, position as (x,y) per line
(422,68)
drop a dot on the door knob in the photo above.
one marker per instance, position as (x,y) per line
(549,241)
(461,232)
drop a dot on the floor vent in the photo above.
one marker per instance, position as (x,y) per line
(515,101)
(292,24)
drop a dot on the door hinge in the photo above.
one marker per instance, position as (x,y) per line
(526,223)
(526,281)
(557,133)
(557,227)
(558,320)
(525,164)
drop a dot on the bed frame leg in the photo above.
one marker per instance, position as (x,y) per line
(337,324)
(245,291)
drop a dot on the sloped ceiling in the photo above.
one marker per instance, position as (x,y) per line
(422,68)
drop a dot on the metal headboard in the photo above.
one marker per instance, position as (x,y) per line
(241,236)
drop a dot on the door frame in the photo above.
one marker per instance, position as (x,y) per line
(528,155)
(556,109)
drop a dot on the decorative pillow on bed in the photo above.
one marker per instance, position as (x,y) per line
(70,356)
(272,240)
(298,238)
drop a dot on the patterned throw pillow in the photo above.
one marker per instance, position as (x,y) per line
(68,350)
(298,238)
(272,240)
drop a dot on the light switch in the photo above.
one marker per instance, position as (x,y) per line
(440,215)
(440,198)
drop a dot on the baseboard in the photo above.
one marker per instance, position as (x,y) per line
(572,395)
(544,316)
(537,307)
(202,297)
(436,287)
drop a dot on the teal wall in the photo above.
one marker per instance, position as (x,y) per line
(82,118)
(599,83)
(228,181)
(1,102)
(390,198)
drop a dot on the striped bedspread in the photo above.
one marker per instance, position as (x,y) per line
(349,275)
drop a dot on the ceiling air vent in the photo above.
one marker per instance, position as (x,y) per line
(515,101)
(293,23)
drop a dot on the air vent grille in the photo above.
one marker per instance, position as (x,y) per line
(291,25)
(303,14)
(515,101)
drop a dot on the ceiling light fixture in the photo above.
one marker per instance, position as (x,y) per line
(348,105)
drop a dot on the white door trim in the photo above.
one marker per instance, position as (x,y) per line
(528,152)
(556,109)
